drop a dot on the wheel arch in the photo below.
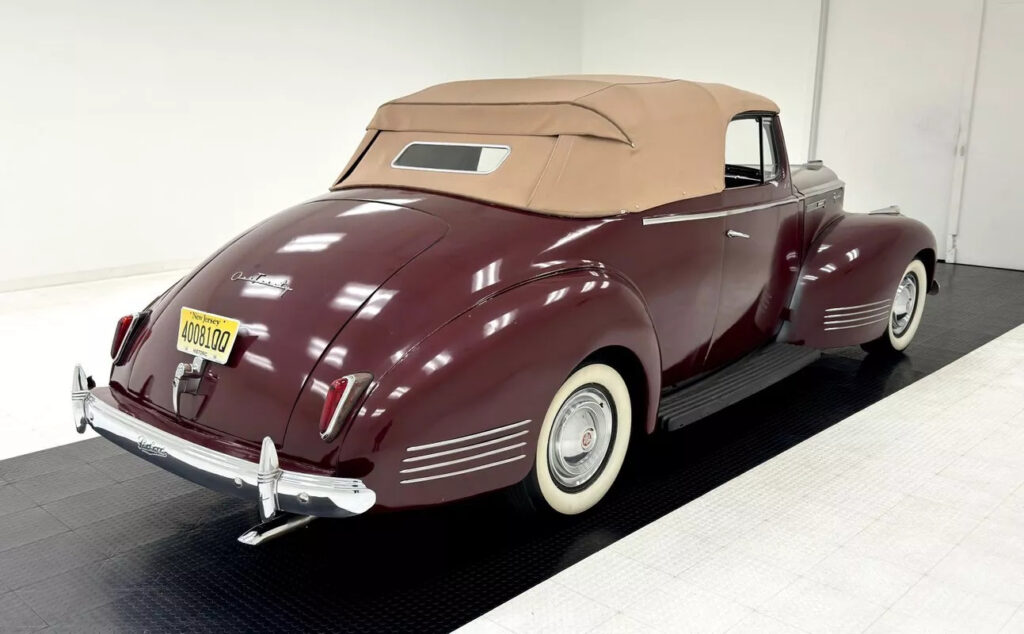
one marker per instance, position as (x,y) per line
(626,362)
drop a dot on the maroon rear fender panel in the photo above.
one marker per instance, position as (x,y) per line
(499,363)
(854,264)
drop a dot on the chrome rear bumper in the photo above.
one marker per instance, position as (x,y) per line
(276,490)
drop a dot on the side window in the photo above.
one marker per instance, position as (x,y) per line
(750,151)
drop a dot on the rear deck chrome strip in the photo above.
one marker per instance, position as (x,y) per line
(659,220)
(464,471)
(489,432)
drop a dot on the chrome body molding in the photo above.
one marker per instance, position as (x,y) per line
(845,317)
(453,441)
(464,471)
(891,210)
(848,308)
(823,188)
(658,220)
(462,460)
(277,490)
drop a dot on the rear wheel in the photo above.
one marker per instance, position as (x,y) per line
(582,442)
(905,314)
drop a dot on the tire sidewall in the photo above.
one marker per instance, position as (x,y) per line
(579,500)
(900,343)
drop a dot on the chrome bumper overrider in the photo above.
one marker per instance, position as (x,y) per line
(277,490)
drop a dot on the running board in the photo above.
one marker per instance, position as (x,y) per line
(733,383)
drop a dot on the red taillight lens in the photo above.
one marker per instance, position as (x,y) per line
(342,396)
(124,326)
(334,394)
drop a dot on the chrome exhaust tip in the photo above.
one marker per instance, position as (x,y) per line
(276,527)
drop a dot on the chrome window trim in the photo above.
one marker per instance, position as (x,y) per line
(658,220)
(508,150)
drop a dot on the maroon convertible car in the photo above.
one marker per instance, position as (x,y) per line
(509,279)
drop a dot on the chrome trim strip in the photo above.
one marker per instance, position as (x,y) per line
(891,210)
(858,325)
(881,301)
(453,441)
(287,491)
(464,471)
(659,220)
(830,322)
(438,465)
(499,146)
(858,312)
(824,188)
(448,452)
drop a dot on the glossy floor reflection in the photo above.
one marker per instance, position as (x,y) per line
(94,539)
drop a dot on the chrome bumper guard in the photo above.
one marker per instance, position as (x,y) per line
(277,490)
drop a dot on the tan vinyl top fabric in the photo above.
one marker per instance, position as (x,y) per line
(584,146)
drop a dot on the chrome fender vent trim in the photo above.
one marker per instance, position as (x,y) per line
(844,317)
(454,457)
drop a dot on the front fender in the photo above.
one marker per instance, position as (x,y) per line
(855,264)
(497,364)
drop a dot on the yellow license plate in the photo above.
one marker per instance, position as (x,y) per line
(206,335)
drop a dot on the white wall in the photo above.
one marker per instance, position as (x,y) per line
(892,100)
(141,133)
(766,47)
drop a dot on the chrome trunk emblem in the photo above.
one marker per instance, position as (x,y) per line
(262,279)
(187,378)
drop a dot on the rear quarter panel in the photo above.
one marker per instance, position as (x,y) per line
(499,363)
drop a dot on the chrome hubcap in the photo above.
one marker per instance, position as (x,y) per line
(580,437)
(904,304)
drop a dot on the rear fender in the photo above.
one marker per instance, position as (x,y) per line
(854,265)
(496,365)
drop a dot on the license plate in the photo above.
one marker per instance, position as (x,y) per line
(206,335)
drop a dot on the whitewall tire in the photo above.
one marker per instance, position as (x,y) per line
(582,442)
(905,312)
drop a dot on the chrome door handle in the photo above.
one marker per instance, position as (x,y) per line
(736,234)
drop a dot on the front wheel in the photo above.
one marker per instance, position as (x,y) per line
(582,442)
(906,311)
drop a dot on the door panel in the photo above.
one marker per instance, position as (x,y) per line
(757,280)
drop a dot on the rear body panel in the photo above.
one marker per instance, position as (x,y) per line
(320,263)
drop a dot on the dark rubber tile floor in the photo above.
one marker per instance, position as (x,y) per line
(93,539)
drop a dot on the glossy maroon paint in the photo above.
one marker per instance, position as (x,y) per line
(470,316)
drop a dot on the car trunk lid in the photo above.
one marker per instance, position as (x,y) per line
(292,282)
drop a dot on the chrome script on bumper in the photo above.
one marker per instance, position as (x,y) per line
(276,490)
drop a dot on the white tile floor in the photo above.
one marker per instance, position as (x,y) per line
(906,517)
(43,333)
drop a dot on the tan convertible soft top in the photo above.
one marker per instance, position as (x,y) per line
(584,145)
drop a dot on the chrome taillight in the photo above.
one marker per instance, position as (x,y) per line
(342,396)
